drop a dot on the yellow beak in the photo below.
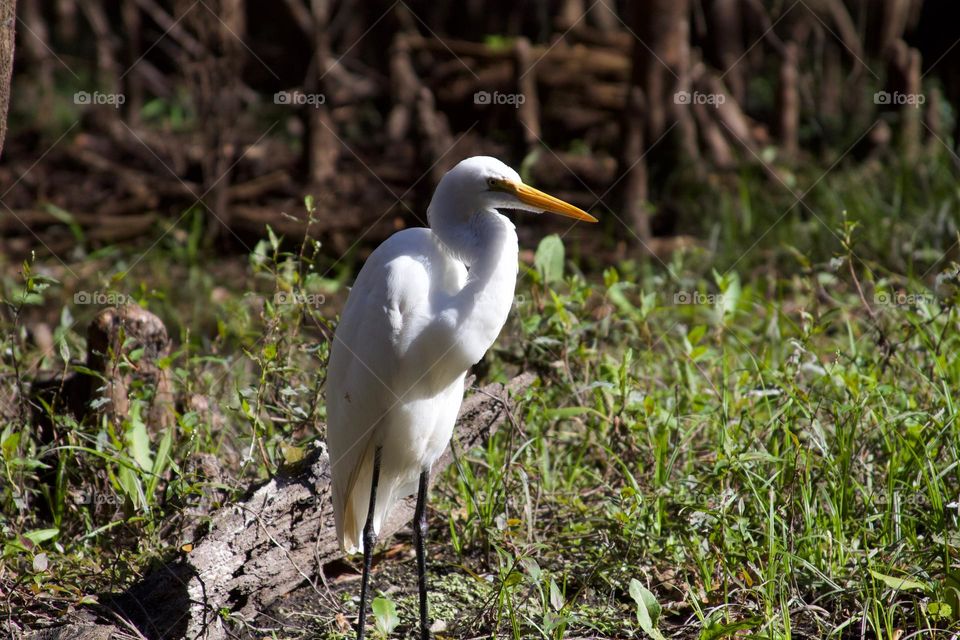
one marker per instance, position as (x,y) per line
(540,200)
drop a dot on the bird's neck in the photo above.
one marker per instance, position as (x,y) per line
(488,247)
(492,250)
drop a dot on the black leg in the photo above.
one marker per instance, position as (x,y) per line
(369,539)
(419,538)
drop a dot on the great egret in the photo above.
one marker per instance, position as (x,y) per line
(426,306)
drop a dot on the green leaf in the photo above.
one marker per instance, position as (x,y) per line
(549,259)
(940,610)
(513,579)
(617,296)
(131,487)
(899,584)
(716,630)
(729,285)
(270,352)
(385,614)
(951,588)
(648,609)
(8,442)
(556,596)
(163,452)
(138,441)
(66,218)
(274,241)
(696,334)
(64,349)
(41,535)
(532,568)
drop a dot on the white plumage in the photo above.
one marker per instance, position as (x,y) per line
(426,306)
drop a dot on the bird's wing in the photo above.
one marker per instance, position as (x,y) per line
(365,380)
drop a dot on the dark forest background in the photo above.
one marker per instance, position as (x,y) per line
(197,126)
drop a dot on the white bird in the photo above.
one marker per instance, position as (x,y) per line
(426,306)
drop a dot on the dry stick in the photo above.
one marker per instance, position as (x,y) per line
(164,154)
(574,59)
(462,86)
(720,155)
(133,82)
(323,148)
(434,136)
(682,114)
(911,113)
(403,89)
(113,221)
(571,12)
(633,166)
(615,39)
(136,182)
(934,119)
(896,16)
(760,13)
(728,111)
(726,22)
(39,57)
(737,125)
(219,97)
(253,189)
(831,83)
(594,170)
(415,108)
(66,20)
(528,112)
(604,14)
(301,15)
(106,44)
(172,27)
(845,29)
(789,101)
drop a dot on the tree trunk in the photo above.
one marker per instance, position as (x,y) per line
(8,22)
(659,80)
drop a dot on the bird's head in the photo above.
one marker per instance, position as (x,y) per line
(482,183)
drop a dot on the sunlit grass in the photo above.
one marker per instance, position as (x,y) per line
(764,438)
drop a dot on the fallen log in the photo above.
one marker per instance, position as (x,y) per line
(261,547)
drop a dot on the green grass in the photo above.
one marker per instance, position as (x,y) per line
(765,439)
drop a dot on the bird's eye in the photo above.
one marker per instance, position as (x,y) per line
(491,182)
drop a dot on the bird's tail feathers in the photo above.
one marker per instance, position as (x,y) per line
(357,502)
